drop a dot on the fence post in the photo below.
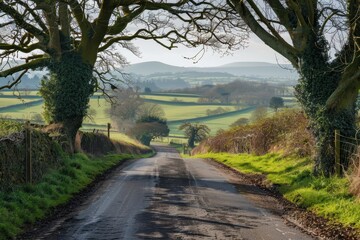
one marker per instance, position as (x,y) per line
(28,164)
(337,153)
(108,129)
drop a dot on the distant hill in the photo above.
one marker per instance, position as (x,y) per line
(155,71)
(147,68)
(247,69)
(247,64)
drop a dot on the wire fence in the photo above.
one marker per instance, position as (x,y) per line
(345,150)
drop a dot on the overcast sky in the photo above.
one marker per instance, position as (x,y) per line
(255,52)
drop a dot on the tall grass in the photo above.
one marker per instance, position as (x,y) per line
(354,175)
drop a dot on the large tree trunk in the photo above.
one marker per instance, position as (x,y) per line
(319,80)
(67,93)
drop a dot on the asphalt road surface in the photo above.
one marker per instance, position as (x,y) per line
(166,197)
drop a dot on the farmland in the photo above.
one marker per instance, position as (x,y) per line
(178,108)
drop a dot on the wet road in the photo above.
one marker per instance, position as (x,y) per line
(166,197)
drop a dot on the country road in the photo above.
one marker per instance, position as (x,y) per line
(166,197)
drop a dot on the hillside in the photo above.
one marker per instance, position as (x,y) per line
(248,69)
(156,71)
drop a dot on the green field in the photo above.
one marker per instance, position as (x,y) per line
(186,109)
(215,123)
(171,98)
(4,102)
(18,93)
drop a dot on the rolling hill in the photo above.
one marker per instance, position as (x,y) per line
(157,70)
(247,69)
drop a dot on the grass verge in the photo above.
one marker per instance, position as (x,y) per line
(30,203)
(327,197)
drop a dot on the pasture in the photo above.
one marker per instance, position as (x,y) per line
(171,98)
(5,102)
(186,108)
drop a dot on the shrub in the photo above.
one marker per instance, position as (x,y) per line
(275,133)
(99,144)
(148,128)
(8,127)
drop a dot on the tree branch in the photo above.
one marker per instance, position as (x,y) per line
(121,22)
(80,17)
(16,81)
(287,51)
(20,22)
(41,62)
(36,17)
(264,20)
(24,49)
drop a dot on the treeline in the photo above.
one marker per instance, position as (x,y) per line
(237,92)
(155,85)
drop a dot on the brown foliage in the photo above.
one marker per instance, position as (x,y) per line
(285,131)
(99,144)
(355,175)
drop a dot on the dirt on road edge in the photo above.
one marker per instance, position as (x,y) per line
(309,222)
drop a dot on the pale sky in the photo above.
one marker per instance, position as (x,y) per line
(256,51)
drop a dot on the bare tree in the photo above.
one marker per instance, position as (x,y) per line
(150,109)
(125,107)
(77,39)
(307,33)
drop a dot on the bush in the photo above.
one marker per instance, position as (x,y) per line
(273,134)
(8,127)
(99,144)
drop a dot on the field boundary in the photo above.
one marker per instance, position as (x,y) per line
(21,106)
(212,117)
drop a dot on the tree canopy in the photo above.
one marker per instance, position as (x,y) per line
(195,132)
(288,27)
(79,39)
(148,128)
(308,33)
(276,102)
(33,31)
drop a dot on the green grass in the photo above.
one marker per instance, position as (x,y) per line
(173,112)
(5,102)
(33,202)
(214,124)
(170,98)
(121,137)
(18,93)
(185,112)
(328,197)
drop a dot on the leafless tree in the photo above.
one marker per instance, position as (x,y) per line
(76,39)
